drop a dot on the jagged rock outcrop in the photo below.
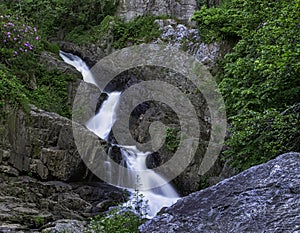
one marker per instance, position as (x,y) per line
(264,198)
(187,39)
(41,170)
(181,9)
(40,143)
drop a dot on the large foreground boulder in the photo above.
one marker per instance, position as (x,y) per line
(264,198)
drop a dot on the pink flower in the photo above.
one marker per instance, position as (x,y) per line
(15,53)
(34,29)
(37,38)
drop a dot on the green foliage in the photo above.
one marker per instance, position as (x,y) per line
(121,219)
(172,140)
(39,221)
(140,30)
(258,137)
(26,81)
(116,221)
(260,78)
(58,17)
(103,30)
(51,92)
(203,184)
(17,37)
(12,91)
(234,19)
(137,203)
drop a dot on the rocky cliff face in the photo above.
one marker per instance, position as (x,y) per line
(181,9)
(264,198)
(40,174)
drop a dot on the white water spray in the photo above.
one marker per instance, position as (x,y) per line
(102,123)
(135,160)
(79,64)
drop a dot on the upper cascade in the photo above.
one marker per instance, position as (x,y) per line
(80,65)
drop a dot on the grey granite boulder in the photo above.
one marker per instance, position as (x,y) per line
(264,198)
(181,9)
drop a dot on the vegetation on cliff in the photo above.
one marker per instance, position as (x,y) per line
(260,78)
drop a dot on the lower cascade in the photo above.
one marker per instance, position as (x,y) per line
(133,159)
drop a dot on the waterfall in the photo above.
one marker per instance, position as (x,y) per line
(103,121)
(135,160)
(79,64)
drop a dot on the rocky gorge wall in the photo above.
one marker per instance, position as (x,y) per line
(181,9)
(42,176)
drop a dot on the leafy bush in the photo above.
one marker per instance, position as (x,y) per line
(260,78)
(23,78)
(58,17)
(121,219)
(51,93)
(115,221)
(11,90)
(17,37)
(172,140)
(140,30)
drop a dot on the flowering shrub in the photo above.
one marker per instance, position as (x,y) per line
(16,37)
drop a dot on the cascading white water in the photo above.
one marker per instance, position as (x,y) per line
(102,123)
(79,64)
(135,160)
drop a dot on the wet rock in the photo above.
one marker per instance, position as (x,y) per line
(90,53)
(263,198)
